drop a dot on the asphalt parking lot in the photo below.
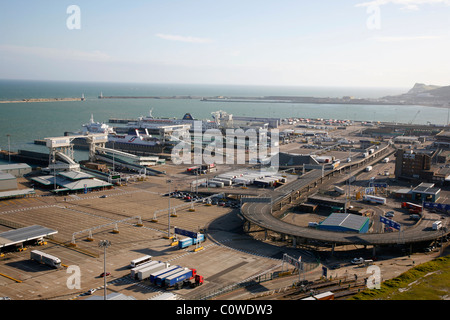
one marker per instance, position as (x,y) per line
(228,255)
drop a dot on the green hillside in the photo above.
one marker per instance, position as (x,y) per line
(427,281)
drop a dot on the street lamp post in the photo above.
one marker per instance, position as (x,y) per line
(168,228)
(9,148)
(104,244)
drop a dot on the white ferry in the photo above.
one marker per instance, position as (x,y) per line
(135,137)
(96,127)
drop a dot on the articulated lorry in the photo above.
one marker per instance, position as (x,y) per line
(160,280)
(159,273)
(412,207)
(182,278)
(146,272)
(134,271)
(184,243)
(45,258)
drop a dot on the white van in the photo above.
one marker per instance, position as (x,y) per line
(437,225)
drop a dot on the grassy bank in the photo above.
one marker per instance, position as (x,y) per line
(427,281)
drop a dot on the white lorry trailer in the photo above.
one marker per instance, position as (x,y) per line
(45,258)
(146,272)
(134,271)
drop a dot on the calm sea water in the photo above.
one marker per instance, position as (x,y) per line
(25,122)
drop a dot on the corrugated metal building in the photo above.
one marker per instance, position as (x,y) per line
(7,181)
(16,169)
(342,222)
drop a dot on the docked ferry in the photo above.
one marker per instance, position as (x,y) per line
(135,136)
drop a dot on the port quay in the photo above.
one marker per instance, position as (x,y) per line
(338,190)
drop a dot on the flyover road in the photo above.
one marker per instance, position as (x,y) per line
(260,213)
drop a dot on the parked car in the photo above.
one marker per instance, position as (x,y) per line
(389,214)
(91,291)
(357,261)
(103,274)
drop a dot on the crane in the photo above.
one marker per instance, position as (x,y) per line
(414,118)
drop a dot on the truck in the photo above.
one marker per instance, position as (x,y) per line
(182,278)
(217,183)
(45,258)
(193,170)
(412,207)
(368,168)
(339,190)
(145,273)
(186,242)
(374,199)
(437,225)
(134,271)
(226,182)
(160,280)
(156,274)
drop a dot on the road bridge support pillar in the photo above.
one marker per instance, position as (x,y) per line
(247,226)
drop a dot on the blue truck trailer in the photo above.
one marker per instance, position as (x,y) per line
(182,278)
(158,273)
(186,242)
(159,280)
(177,279)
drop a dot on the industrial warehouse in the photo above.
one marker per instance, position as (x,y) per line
(345,223)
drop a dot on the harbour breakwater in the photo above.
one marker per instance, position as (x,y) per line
(269,99)
(41,100)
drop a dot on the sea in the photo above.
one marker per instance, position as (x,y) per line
(25,122)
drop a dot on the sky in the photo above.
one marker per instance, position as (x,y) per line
(379,43)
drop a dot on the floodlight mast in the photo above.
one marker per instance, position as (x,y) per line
(104,244)
(169,181)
